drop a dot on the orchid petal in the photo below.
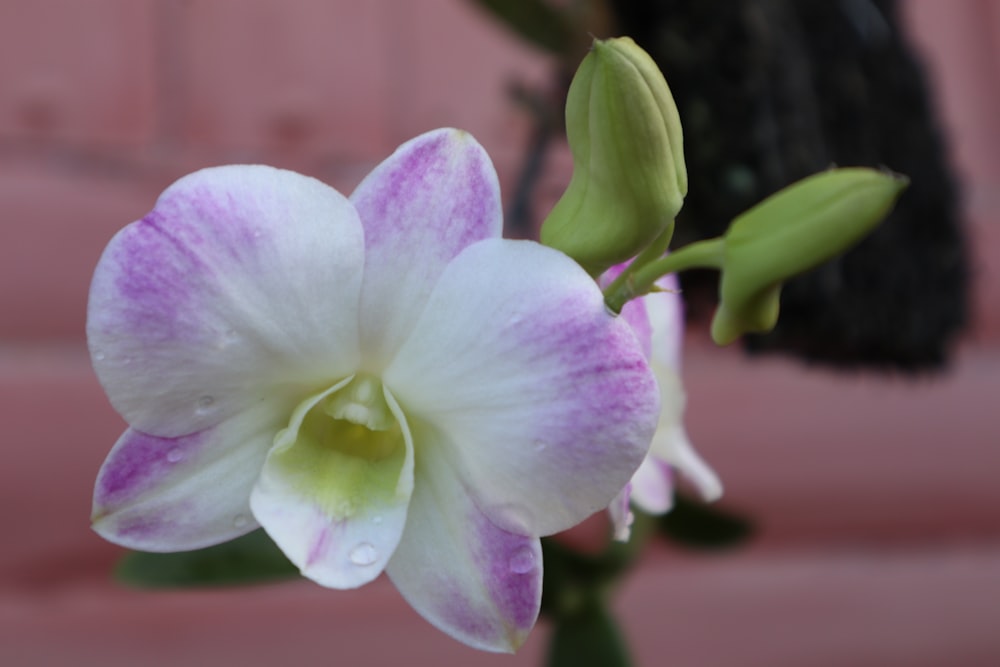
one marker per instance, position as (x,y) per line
(652,487)
(541,397)
(337,516)
(473,580)
(622,517)
(242,279)
(174,494)
(657,316)
(423,205)
(670,444)
(686,460)
(665,310)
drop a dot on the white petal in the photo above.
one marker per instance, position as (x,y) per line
(337,517)
(653,486)
(622,517)
(542,399)
(473,580)
(687,461)
(434,196)
(241,279)
(174,494)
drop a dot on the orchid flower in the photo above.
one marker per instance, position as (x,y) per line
(380,382)
(657,320)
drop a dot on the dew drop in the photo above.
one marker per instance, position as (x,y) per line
(229,338)
(522,561)
(98,356)
(205,403)
(240,521)
(175,455)
(363,554)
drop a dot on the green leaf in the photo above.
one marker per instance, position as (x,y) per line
(535,21)
(589,638)
(253,558)
(706,527)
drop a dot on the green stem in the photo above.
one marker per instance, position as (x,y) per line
(638,280)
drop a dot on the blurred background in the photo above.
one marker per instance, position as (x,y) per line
(868,471)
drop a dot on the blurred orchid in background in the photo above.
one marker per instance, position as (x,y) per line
(381,382)
(657,320)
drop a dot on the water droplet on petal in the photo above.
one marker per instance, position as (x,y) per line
(363,554)
(229,338)
(522,561)
(240,521)
(175,455)
(98,356)
(540,445)
(205,404)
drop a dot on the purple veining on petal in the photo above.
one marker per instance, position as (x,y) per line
(320,546)
(139,462)
(171,260)
(436,172)
(154,273)
(457,613)
(219,219)
(144,529)
(477,204)
(421,164)
(634,312)
(510,570)
(616,375)
(607,385)
(512,565)
(141,527)
(666,307)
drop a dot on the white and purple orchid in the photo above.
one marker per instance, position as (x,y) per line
(379,381)
(657,319)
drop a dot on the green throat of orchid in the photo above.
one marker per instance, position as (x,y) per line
(343,445)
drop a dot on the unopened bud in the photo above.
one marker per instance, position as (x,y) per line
(629,178)
(794,230)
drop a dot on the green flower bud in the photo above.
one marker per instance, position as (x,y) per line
(629,178)
(791,231)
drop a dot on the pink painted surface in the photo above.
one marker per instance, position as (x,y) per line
(960,43)
(79,74)
(879,510)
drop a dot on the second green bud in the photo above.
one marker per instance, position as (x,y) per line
(629,178)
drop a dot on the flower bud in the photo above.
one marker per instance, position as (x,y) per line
(793,230)
(629,178)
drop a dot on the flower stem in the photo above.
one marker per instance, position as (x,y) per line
(640,277)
